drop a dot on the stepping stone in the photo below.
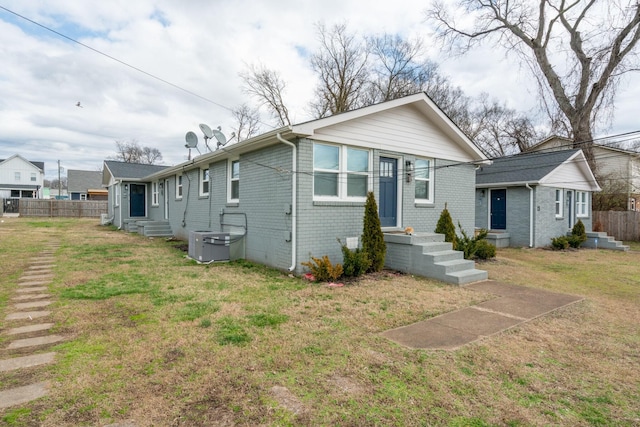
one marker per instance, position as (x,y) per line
(32,277)
(19,395)
(30,328)
(21,315)
(38,267)
(35,283)
(43,260)
(30,297)
(30,289)
(31,342)
(32,304)
(26,361)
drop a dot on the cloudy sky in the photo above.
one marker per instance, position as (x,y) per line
(199,47)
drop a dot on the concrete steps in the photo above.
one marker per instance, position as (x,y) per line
(600,240)
(154,228)
(428,255)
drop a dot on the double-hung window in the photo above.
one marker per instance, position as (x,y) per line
(204,182)
(234,181)
(340,172)
(154,193)
(16,176)
(581,204)
(117,194)
(559,202)
(33,177)
(423,173)
(179,186)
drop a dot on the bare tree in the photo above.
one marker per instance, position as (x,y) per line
(131,152)
(341,66)
(248,120)
(577,49)
(397,68)
(266,86)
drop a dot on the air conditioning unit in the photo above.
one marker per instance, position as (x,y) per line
(208,246)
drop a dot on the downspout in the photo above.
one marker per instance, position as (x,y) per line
(294,199)
(120,204)
(531,214)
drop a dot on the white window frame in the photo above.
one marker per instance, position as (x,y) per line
(83,196)
(559,203)
(155,194)
(17,177)
(582,204)
(117,194)
(343,173)
(34,178)
(179,186)
(430,180)
(202,172)
(231,179)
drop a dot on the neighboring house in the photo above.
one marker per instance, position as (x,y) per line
(85,185)
(21,178)
(617,170)
(292,192)
(526,199)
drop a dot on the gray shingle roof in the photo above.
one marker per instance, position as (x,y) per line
(79,181)
(529,167)
(124,170)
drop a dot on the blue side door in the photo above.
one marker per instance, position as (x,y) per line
(388,203)
(498,209)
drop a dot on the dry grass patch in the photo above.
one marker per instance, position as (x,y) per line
(159,340)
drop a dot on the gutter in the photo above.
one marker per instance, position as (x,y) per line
(531,214)
(294,199)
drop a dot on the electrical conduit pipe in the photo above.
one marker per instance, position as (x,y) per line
(294,198)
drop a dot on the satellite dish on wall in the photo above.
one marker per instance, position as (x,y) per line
(206,130)
(192,139)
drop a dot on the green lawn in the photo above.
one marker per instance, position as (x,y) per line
(156,339)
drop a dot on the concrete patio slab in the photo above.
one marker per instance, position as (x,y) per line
(514,305)
(20,395)
(26,361)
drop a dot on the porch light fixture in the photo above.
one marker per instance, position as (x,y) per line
(408,167)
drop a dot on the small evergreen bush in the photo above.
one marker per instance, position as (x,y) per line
(445,226)
(485,250)
(559,243)
(372,237)
(323,270)
(578,235)
(355,262)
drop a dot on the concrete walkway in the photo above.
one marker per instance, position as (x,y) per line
(512,306)
(28,331)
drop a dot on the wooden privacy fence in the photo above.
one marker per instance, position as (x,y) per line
(623,225)
(66,208)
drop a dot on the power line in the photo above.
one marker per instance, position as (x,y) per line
(133,67)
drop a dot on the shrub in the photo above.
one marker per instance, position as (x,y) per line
(471,246)
(485,250)
(354,262)
(445,226)
(578,235)
(323,270)
(372,237)
(559,243)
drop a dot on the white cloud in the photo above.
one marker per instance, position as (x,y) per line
(200,46)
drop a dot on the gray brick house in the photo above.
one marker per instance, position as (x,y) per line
(526,199)
(292,192)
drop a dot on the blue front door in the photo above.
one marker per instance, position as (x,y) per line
(498,209)
(137,195)
(388,203)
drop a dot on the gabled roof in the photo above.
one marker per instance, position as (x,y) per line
(539,168)
(127,171)
(458,146)
(79,181)
(39,165)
